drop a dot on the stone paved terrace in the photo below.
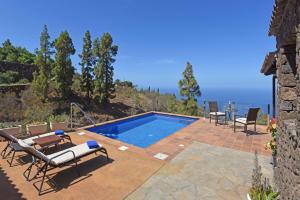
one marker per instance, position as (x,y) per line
(132,168)
(205,172)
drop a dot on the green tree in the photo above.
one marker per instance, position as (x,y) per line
(10,53)
(171,104)
(104,51)
(189,90)
(87,62)
(63,70)
(41,78)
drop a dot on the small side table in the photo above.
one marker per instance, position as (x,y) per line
(230,113)
(45,142)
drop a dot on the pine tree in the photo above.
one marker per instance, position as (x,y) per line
(104,51)
(87,62)
(43,61)
(189,90)
(63,70)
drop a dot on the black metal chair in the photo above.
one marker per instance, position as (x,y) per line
(214,112)
(249,119)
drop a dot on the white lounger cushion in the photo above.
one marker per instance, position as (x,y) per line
(79,150)
(241,120)
(31,149)
(30,141)
(217,113)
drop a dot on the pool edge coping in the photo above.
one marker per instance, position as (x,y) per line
(137,115)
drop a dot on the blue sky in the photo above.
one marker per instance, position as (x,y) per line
(225,40)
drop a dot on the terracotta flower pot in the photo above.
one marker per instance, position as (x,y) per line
(37,129)
(11,131)
(59,126)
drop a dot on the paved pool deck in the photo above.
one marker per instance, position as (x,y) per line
(129,171)
(205,172)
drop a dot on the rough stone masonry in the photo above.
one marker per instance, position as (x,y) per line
(285,26)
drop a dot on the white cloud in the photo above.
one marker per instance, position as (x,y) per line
(165,61)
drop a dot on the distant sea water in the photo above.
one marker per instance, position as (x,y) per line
(243,98)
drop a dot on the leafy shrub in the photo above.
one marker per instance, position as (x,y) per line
(23,81)
(9,124)
(34,109)
(10,108)
(9,77)
(262,118)
(59,118)
(124,83)
(261,190)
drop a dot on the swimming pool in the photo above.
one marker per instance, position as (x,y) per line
(143,130)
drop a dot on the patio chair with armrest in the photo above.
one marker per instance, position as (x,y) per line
(214,112)
(45,163)
(249,119)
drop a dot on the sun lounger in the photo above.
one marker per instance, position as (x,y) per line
(12,143)
(58,159)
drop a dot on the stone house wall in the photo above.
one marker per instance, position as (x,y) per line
(287,172)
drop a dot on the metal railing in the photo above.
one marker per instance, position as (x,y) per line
(85,115)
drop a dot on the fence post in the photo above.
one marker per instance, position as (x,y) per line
(268,118)
(204,108)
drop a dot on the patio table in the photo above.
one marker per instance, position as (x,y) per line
(47,141)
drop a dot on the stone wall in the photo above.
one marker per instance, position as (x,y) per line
(14,88)
(287,172)
(25,71)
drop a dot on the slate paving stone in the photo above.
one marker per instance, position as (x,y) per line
(203,172)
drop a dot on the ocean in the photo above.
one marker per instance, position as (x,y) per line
(243,98)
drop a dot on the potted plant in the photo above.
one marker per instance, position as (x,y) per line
(59,122)
(260,190)
(10,128)
(272,128)
(36,128)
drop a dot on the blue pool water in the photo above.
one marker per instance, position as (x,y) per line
(144,130)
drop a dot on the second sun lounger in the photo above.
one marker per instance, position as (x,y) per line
(58,159)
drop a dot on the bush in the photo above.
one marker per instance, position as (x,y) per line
(9,124)
(10,108)
(34,109)
(262,118)
(9,77)
(261,190)
(59,118)
(23,81)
